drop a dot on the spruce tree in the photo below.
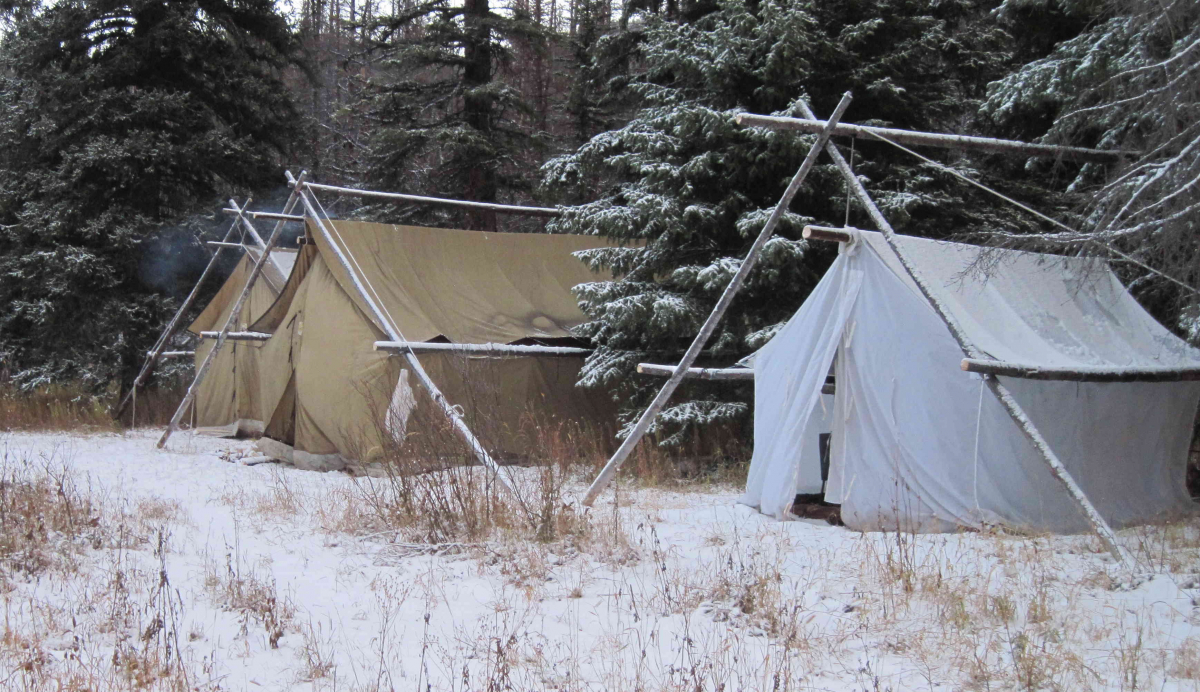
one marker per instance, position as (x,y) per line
(1123,75)
(118,120)
(445,125)
(697,188)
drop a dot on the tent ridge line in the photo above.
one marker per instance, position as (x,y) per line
(1001,392)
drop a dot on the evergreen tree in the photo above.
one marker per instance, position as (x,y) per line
(445,124)
(697,188)
(1123,75)
(117,120)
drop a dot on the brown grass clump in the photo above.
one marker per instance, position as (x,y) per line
(241,589)
(75,407)
(45,519)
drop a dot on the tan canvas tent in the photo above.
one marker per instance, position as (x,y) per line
(326,395)
(228,401)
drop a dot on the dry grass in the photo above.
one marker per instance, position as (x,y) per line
(45,518)
(251,592)
(74,407)
(57,536)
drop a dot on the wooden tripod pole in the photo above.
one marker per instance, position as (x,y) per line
(172,327)
(321,220)
(234,315)
(1001,392)
(710,325)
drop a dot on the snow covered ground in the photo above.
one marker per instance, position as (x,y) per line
(263,577)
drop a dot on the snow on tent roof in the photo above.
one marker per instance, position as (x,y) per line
(1047,310)
(467,286)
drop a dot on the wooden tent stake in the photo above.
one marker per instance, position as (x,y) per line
(710,324)
(234,316)
(320,220)
(172,326)
(998,389)
(936,139)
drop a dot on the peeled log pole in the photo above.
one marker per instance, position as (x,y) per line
(718,374)
(171,328)
(833,235)
(1001,392)
(440,202)
(173,354)
(710,324)
(271,216)
(237,336)
(234,315)
(1026,371)
(737,374)
(944,141)
(498,350)
(261,244)
(319,217)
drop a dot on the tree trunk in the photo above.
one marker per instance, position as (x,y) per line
(478,108)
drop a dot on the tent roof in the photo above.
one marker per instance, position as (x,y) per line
(1033,308)
(466,286)
(210,318)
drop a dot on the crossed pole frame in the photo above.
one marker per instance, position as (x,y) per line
(999,390)
(320,220)
(236,313)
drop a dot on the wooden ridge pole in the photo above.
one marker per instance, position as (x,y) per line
(172,327)
(489,349)
(936,139)
(234,315)
(269,215)
(439,201)
(1030,371)
(735,374)
(321,220)
(710,324)
(1001,392)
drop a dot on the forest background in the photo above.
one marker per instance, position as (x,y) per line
(125,125)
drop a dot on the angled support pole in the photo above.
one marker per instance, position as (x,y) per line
(1001,392)
(173,326)
(321,220)
(710,325)
(234,315)
(243,219)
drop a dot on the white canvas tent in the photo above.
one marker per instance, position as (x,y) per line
(918,444)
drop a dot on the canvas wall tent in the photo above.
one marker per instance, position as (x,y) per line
(917,444)
(228,401)
(324,391)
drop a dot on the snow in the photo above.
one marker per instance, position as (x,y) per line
(671,590)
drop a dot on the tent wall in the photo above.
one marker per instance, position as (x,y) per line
(230,393)
(341,387)
(920,445)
